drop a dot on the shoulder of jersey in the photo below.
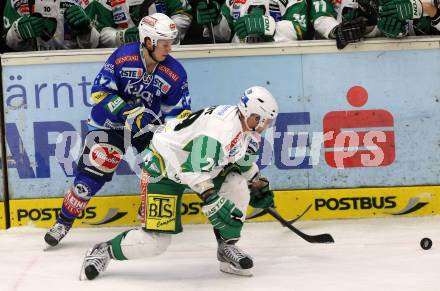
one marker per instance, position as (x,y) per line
(127,54)
(224,111)
(226,122)
(129,48)
(172,69)
(226,115)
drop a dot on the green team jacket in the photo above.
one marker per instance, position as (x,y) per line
(60,38)
(290,15)
(110,16)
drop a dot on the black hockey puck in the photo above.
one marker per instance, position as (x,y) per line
(426,243)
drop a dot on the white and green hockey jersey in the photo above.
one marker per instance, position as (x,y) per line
(325,15)
(290,18)
(197,149)
(111,16)
(62,38)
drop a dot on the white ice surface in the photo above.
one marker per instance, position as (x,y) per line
(369,254)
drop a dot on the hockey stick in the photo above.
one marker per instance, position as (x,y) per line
(31,4)
(211,28)
(260,212)
(320,238)
(299,216)
(257,213)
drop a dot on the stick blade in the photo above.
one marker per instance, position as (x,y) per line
(322,238)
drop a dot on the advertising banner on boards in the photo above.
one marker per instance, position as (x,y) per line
(344,123)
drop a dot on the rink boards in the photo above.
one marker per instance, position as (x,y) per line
(363,92)
(46,108)
(325,204)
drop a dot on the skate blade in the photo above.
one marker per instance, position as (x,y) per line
(82,273)
(230,269)
(47,247)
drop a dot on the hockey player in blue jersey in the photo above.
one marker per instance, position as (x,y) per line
(138,87)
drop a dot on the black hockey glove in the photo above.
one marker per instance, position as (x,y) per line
(349,31)
(370,10)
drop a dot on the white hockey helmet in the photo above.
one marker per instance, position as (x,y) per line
(258,100)
(157,26)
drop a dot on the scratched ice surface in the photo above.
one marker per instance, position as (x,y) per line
(369,254)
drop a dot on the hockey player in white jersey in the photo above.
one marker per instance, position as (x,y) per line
(210,152)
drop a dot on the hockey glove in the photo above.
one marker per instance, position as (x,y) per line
(349,31)
(207,14)
(136,117)
(391,27)
(261,195)
(50,26)
(78,20)
(128,35)
(30,27)
(370,10)
(252,24)
(423,26)
(223,215)
(402,9)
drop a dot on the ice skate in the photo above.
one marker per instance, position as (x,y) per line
(95,262)
(233,260)
(56,233)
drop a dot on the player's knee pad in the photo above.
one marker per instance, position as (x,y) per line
(140,244)
(78,196)
(103,151)
(235,188)
(86,187)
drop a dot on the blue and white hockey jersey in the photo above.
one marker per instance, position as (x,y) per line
(164,92)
